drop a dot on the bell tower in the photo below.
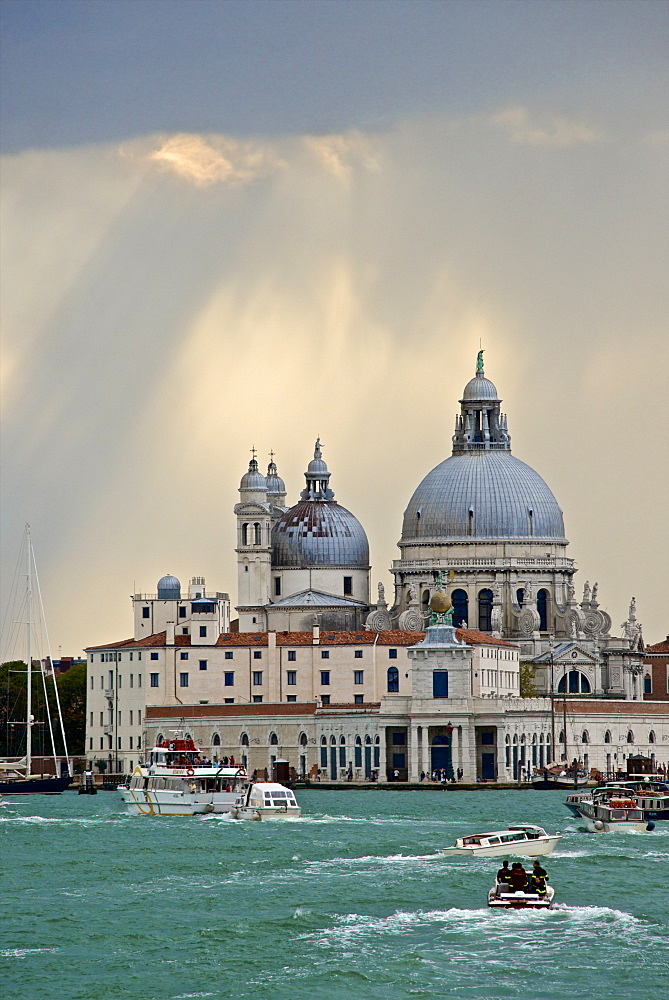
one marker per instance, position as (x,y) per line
(254,550)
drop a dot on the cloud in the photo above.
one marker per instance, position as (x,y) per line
(220,159)
(558,132)
(339,154)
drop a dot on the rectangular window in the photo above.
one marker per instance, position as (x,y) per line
(182,612)
(257,654)
(131,655)
(154,656)
(228,701)
(291,697)
(325,699)
(257,677)
(119,716)
(277,586)
(183,680)
(399,760)
(90,742)
(203,631)
(139,718)
(139,655)
(229,678)
(292,655)
(183,656)
(130,738)
(131,715)
(102,718)
(257,698)
(392,654)
(358,654)
(139,679)
(358,699)
(184,631)
(203,664)
(132,679)
(488,739)
(102,681)
(325,678)
(229,654)
(440,683)
(348,584)
(92,683)
(399,739)
(119,742)
(91,720)
(145,612)
(102,742)
(325,654)
(358,676)
(111,679)
(154,680)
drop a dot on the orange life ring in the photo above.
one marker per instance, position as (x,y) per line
(241,771)
(189,771)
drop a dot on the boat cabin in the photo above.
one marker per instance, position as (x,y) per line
(267,795)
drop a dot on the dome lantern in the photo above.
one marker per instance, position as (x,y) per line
(480,425)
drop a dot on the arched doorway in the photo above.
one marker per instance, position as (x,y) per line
(542,609)
(485,610)
(460,602)
(441,758)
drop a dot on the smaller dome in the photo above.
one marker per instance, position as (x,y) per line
(253,479)
(317,466)
(169,588)
(275,483)
(479,387)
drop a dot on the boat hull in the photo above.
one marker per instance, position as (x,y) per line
(544,784)
(522,849)
(597,825)
(262,813)
(35,786)
(153,802)
(520,900)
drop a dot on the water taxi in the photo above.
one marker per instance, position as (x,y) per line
(266,800)
(522,839)
(612,808)
(177,780)
(502,897)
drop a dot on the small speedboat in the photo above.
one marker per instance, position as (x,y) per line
(502,897)
(611,808)
(522,839)
(266,800)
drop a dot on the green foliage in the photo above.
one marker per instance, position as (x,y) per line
(72,694)
(527,686)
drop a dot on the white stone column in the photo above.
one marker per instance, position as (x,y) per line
(468,750)
(413,753)
(382,754)
(501,753)
(427,763)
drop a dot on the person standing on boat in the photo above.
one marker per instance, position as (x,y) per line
(518,877)
(504,874)
(538,879)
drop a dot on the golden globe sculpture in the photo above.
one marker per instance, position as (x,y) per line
(440,602)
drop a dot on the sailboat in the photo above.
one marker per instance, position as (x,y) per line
(16,777)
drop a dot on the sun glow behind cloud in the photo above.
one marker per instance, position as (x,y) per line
(169,304)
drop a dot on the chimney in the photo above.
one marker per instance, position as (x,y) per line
(315,635)
(169,633)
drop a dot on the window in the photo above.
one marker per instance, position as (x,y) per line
(292,654)
(607,736)
(203,664)
(184,631)
(139,678)
(460,602)
(92,683)
(291,697)
(647,685)
(393,679)
(139,738)
(392,654)
(257,677)
(358,699)
(440,683)
(651,736)
(118,739)
(119,717)
(182,612)
(257,654)
(183,680)
(145,612)
(358,752)
(324,752)
(542,609)
(325,654)
(399,739)
(348,584)
(325,699)
(291,677)
(485,610)
(132,679)
(257,539)
(358,654)
(257,698)
(325,678)
(358,676)
(228,701)
(203,631)
(154,680)
(245,534)
(154,656)
(277,586)
(229,678)
(130,738)
(102,718)
(630,736)
(487,739)
(184,656)
(131,717)
(229,655)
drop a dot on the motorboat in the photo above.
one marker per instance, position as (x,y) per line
(652,797)
(522,839)
(177,780)
(560,779)
(266,800)
(502,897)
(613,808)
(574,799)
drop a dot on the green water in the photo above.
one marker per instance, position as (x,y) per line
(350,902)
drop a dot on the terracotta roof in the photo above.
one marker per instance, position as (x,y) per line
(659,647)
(199,711)
(391,637)
(606,706)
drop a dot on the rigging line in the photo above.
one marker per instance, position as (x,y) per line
(53,675)
(12,605)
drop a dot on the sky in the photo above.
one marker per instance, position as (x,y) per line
(228,225)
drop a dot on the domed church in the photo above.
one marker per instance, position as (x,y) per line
(298,563)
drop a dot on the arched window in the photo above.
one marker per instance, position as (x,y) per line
(561,736)
(333,741)
(651,736)
(425,600)
(393,679)
(607,736)
(460,602)
(160,736)
(630,736)
(342,751)
(358,752)
(377,752)
(584,736)
(324,752)
(273,740)
(244,740)
(245,534)
(542,609)
(575,682)
(485,610)
(216,740)
(304,739)
(520,596)
(257,536)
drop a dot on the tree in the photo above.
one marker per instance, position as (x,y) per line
(13,705)
(527,686)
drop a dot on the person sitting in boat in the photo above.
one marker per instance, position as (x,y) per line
(504,874)
(518,877)
(538,879)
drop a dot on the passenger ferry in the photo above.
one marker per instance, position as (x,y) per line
(651,796)
(178,780)
(613,808)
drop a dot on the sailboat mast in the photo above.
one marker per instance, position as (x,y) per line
(552,702)
(29,704)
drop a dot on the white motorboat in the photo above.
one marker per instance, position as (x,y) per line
(612,808)
(522,839)
(651,797)
(502,897)
(266,800)
(178,781)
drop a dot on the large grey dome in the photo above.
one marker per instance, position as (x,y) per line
(319,533)
(483,494)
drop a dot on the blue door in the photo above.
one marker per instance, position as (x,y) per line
(441,755)
(488,766)
(368,761)
(333,763)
